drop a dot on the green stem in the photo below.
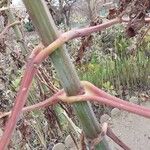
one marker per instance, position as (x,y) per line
(46,28)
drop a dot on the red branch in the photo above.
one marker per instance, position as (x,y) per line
(130,107)
(111,134)
(37,57)
(92,93)
(48,102)
(72,34)
(122,104)
(20,100)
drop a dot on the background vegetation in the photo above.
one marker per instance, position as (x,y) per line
(109,59)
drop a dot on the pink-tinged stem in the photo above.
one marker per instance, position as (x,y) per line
(20,100)
(19,103)
(133,108)
(147,20)
(72,34)
(94,90)
(112,135)
(48,102)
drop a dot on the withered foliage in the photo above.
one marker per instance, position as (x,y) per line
(137,16)
(136,10)
(86,41)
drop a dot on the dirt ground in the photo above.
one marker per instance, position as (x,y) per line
(132,129)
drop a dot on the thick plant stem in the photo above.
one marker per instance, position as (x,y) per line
(46,28)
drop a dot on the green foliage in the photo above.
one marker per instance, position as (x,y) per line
(123,65)
(29,26)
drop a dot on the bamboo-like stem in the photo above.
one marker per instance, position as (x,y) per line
(20,100)
(43,22)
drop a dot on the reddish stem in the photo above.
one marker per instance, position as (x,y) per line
(48,102)
(20,100)
(19,103)
(130,107)
(105,95)
(72,34)
(112,135)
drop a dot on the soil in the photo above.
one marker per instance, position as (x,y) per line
(133,130)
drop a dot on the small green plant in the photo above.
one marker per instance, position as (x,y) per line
(121,66)
(29,26)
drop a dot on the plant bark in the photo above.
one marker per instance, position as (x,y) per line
(46,28)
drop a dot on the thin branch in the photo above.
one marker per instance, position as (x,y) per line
(72,34)
(48,102)
(37,57)
(9,26)
(112,135)
(92,93)
(20,99)
(130,107)
(96,91)
(125,19)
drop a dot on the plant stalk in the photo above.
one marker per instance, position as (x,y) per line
(46,28)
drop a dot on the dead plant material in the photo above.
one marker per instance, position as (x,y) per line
(137,16)
(8,27)
(86,41)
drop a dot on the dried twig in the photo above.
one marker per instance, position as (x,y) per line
(38,56)
(48,102)
(8,27)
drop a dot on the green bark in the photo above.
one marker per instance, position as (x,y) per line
(46,28)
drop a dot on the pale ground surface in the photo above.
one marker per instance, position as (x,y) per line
(132,129)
